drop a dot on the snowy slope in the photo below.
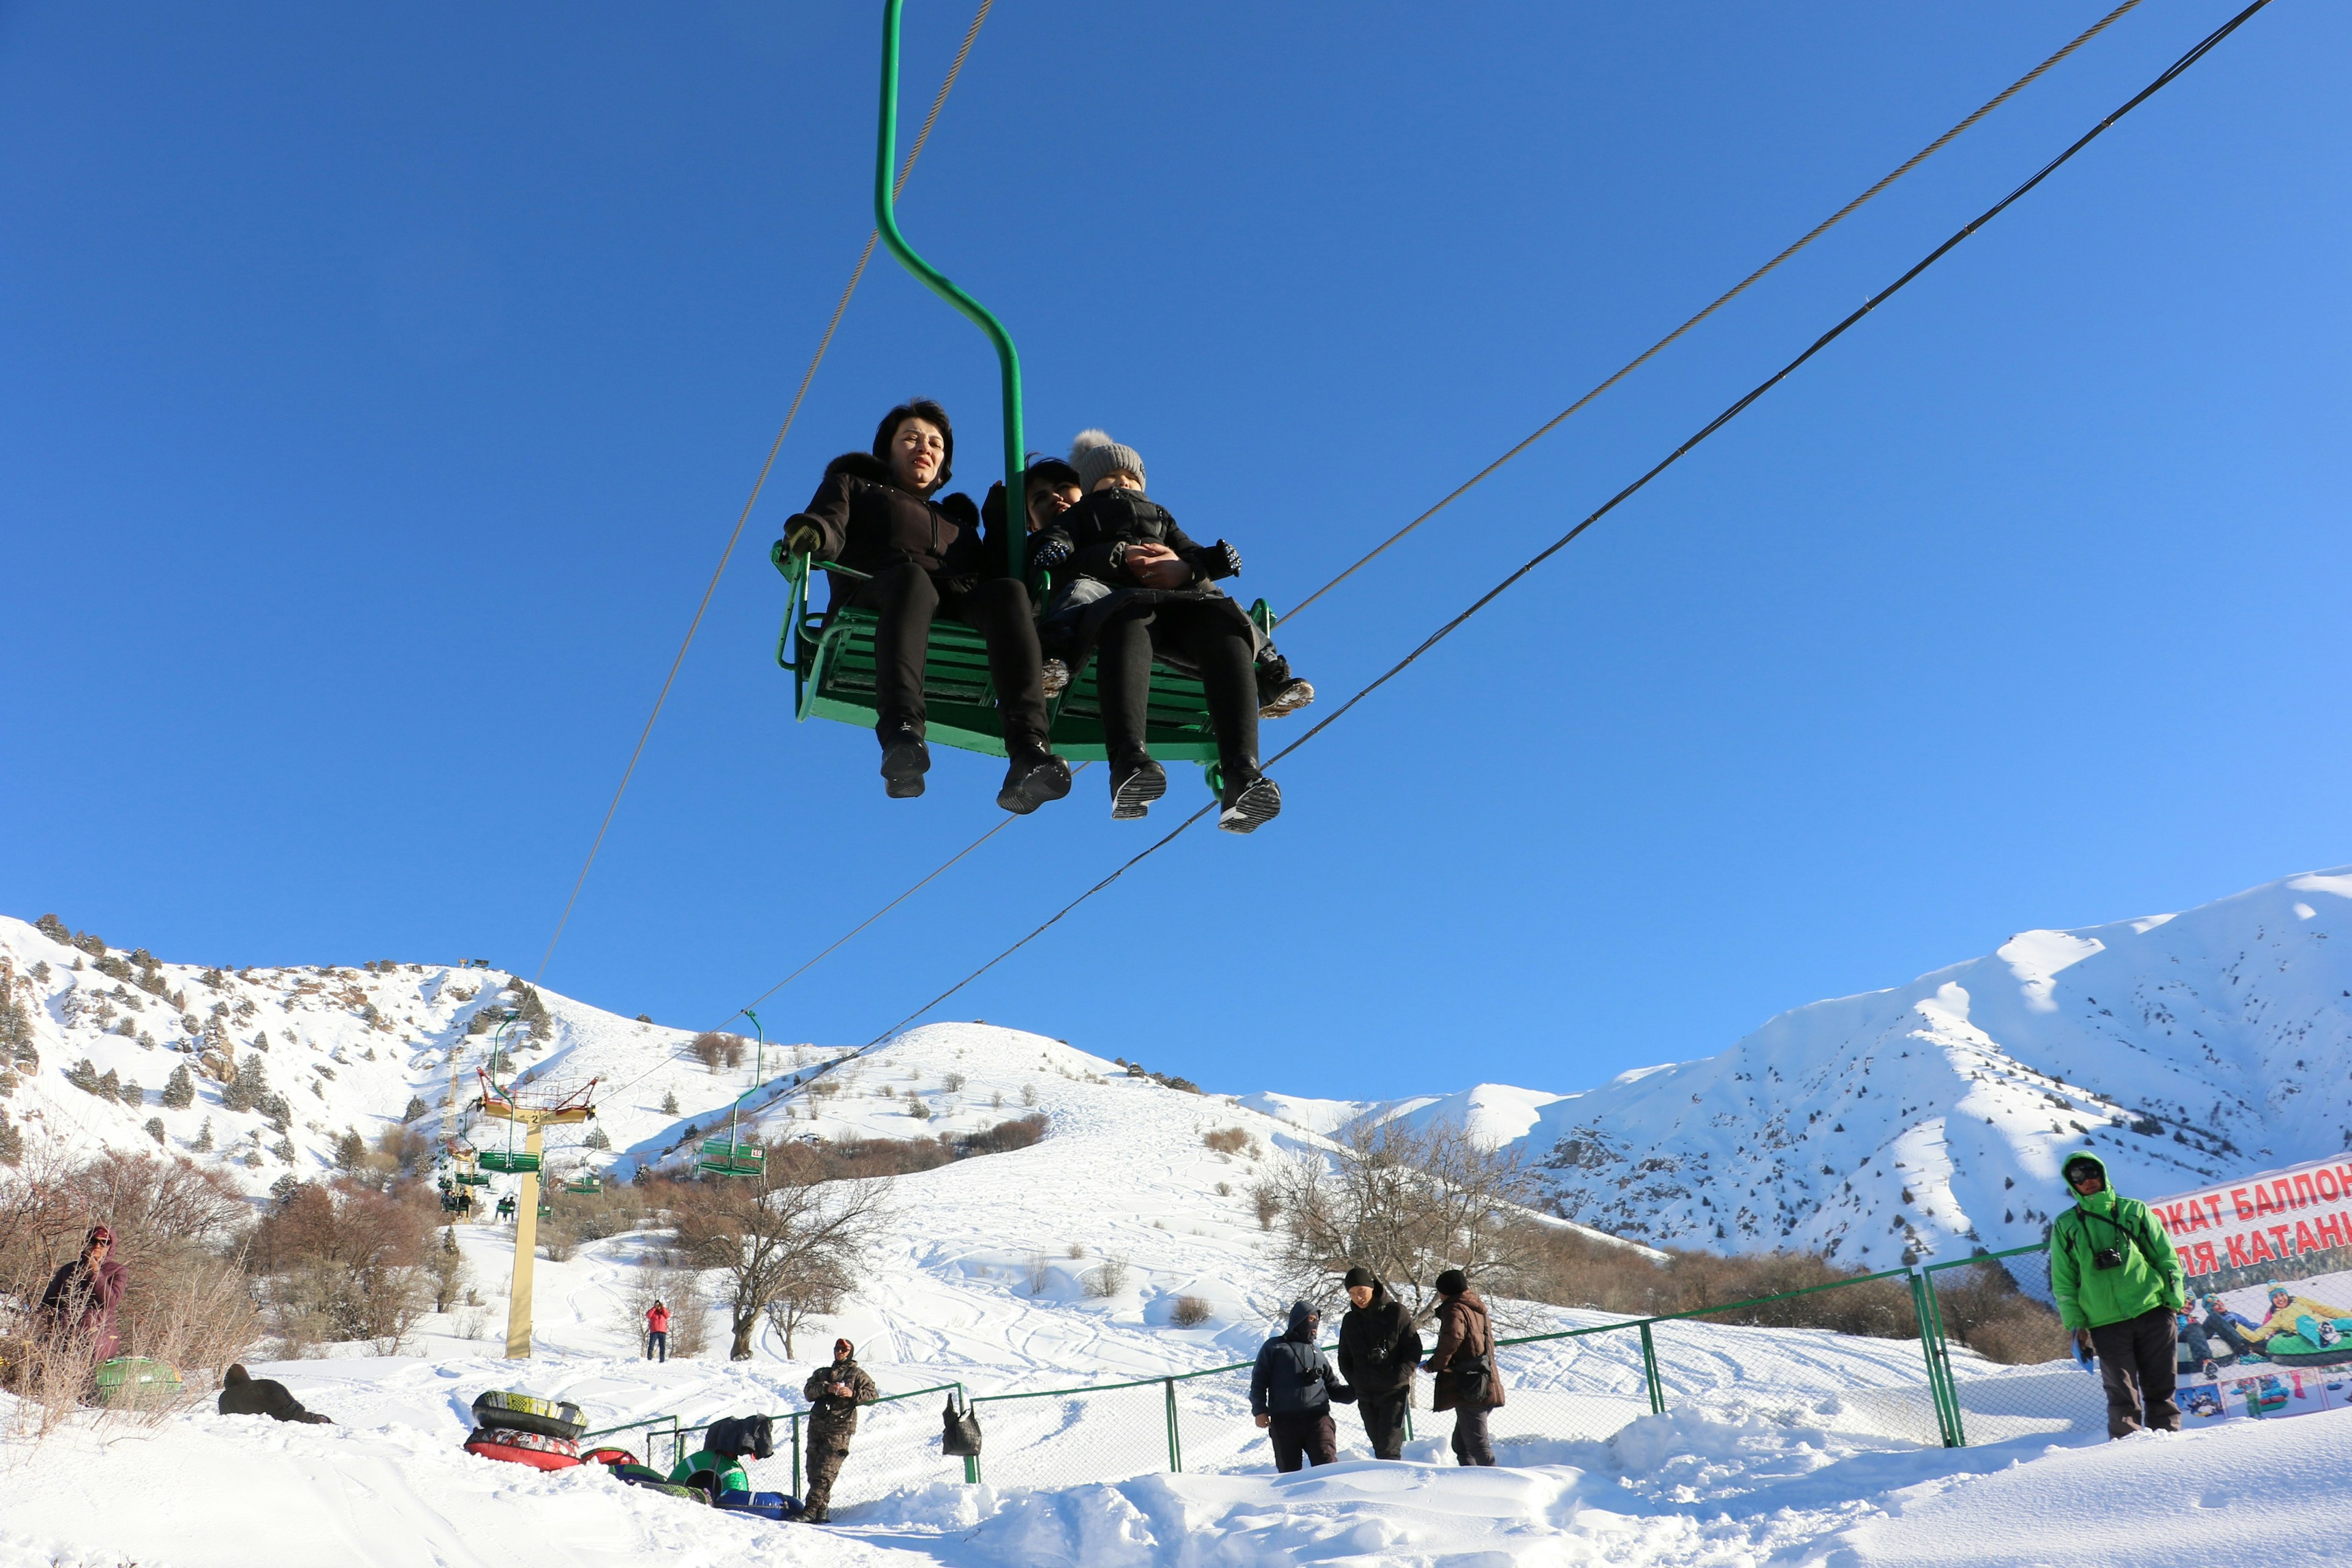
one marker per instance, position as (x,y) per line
(1930,1118)
(347,1048)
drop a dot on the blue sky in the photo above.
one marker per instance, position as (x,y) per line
(377,391)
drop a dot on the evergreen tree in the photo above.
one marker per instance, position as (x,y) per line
(155,1128)
(669,1103)
(416,1109)
(130,1093)
(203,1143)
(180,1088)
(350,1150)
(83,1076)
(596,1139)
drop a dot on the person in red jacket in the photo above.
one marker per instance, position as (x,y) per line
(78,1309)
(658,1332)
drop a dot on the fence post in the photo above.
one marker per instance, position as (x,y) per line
(796,1455)
(1941,1388)
(970,1461)
(1175,1446)
(1657,1389)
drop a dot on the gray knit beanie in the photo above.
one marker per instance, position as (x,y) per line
(1094,453)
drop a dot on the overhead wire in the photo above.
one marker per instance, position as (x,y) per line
(1747,400)
(1906,166)
(1720,300)
(760,483)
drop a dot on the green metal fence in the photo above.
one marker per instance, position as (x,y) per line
(1914,1388)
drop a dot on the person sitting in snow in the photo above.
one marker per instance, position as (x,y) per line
(1138,586)
(242,1394)
(2320,1325)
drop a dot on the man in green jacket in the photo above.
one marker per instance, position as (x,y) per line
(2118,1283)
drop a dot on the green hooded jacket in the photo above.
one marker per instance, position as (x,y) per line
(2090,1297)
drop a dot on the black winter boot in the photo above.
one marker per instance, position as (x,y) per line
(1134,785)
(1037,776)
(1250,801)
(905,757)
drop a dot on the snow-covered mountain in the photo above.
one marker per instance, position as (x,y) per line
(1930,1118)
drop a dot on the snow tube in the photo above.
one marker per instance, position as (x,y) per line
(655,1481)
(767,1505)
(532,1448)
(135,1380)
(506,1410)
(610,1456)
(2293,1349)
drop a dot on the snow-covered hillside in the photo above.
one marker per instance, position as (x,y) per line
(1929,1119)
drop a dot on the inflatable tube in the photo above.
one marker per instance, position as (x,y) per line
(611,1456)
(505,1410)
(540,1453)
(767,1505)
(2293,1349)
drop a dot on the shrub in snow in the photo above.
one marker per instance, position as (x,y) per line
(1107,1278)
(415,1110)
(180,1088)
(155,1129)
(670,1102)
(1188,1311)
(203,1143)
(83,1076)
(130,1093)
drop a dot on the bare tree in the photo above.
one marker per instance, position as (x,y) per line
(816,1292)
(777,1235)
(1406,1203)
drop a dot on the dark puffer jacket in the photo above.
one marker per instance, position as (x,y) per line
(870,523)
(1294,1378)
(1090,590)
(81,1301)
(1379,1347)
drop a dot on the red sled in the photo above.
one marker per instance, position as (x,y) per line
(540,1453)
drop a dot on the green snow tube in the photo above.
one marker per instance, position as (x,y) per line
(135,1381)
(2293,1349)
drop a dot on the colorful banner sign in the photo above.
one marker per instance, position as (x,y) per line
(2262,1222)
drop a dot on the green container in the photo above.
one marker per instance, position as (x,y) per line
(133,1381)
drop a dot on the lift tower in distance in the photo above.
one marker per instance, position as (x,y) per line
(533,1110)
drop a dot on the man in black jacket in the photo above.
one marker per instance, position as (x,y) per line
(1291,1390)
(1379,1352)
(873,514)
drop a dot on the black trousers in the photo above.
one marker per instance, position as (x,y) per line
(657,1340)
(1383,1416)
(2135,1362)
(907,599)
(1205,636)
(1304,1439)
(1471,1443)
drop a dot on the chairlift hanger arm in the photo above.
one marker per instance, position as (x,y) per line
(1008,358)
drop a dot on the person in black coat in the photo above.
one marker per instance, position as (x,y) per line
(1291,1390)
(242,1394)
(1138,585)
(1379,1352)
(920,558)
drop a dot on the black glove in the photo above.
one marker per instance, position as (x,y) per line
(803,539)
(1049,553)
(1221,560)
(991,507)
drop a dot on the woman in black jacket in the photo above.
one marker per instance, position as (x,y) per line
(873,514)
(1137,584)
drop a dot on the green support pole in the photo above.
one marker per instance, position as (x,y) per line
(970,1461)
(1657,1389)
(1932,1345)
(796,1455)
(1008,358)
(1175,1446)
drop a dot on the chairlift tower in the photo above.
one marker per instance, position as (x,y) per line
(534,1113)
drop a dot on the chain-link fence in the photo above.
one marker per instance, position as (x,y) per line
(1874,1363)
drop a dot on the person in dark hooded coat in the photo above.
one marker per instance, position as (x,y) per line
(1378,1352)
(922,558)
(1291,1391)
(1137,585)
(242,1394)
